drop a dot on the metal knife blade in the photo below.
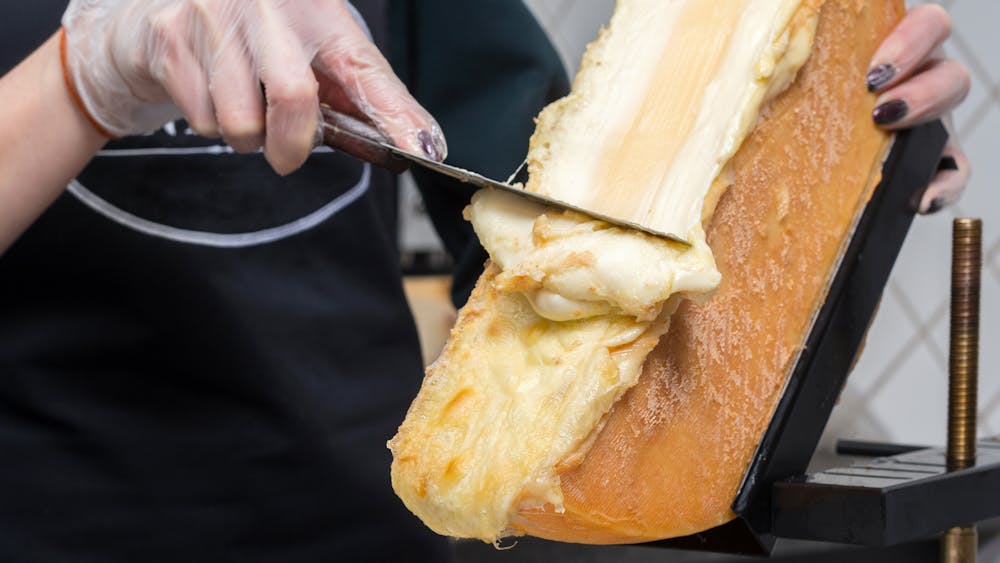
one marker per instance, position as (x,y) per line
(334,124)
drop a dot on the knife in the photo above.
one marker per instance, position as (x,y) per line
(366,142)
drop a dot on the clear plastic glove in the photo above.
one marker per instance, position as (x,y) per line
(138,64)
(917,83)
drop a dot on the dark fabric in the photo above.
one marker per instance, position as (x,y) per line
(176,402)
(170,393)
(25,26)
(484,69)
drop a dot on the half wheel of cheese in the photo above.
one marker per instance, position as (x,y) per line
(603,386)
(674,450)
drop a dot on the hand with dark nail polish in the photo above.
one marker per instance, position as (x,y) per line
(916,83)
(428,146)
(948,182)
(890,112)
(947,163)
(937,204)
(880,76)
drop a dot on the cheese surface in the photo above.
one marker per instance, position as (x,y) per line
(662,102)
(507,402)
(570,267)
(558,328)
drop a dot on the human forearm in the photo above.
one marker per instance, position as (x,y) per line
(45,140)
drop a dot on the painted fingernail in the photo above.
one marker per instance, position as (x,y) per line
(428,145)
(947,163)
(890,112)
(440,143)
(433,144)
(937,204)
(880,76)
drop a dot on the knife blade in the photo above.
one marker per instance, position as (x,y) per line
(343,131)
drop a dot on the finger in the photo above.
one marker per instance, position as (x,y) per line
(948,184)
(175,66)
(365,78)
(233,81)
(927,96)
(332,94)
(292,118)
(909,45)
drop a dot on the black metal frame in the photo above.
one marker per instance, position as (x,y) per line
(816,380)
(890,500)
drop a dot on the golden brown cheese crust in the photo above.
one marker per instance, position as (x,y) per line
(674,450)
(509,396)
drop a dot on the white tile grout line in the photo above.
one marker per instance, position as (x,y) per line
(539,9)
(922,336)
(914,341)
(968,55)
(991,261)
(894,365)
(965,130)
(567,49)
(975,64)
(559,14)
(986,408)
(562,8)
(923,326)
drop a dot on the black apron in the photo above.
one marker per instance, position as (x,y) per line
(201,361)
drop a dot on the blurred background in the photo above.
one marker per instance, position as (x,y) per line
(898,390)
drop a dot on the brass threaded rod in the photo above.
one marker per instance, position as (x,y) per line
(963,358)
(959,545)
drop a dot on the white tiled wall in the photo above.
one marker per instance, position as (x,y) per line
(898,390)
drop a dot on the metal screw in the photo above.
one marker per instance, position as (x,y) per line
(959,544)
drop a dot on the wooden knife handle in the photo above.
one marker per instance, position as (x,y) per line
(335,126)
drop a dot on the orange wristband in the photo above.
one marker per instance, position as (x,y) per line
(73,94)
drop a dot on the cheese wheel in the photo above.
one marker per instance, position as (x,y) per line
(674,450)
(526,424)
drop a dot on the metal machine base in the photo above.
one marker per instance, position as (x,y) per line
(890,500)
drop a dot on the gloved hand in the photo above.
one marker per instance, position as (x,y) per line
(137,64)
(916,83)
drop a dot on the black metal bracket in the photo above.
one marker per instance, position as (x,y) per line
(888,501)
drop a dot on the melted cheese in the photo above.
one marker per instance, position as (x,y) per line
(570,267)
(558,328)
(503,407)
(662,102)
